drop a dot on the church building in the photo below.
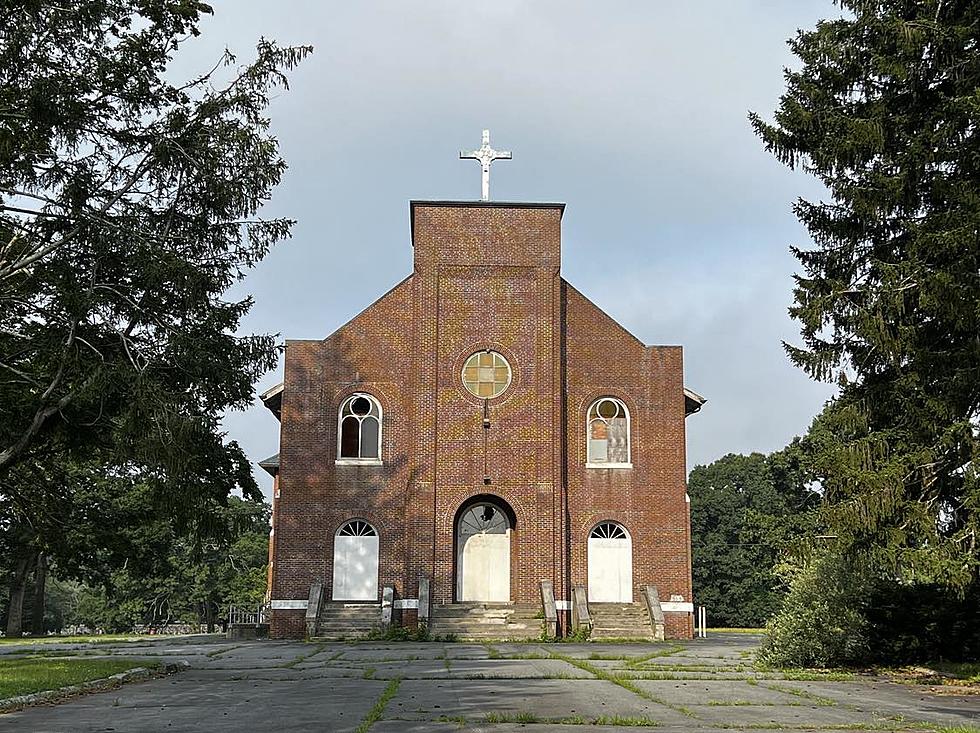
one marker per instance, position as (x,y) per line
(481,439)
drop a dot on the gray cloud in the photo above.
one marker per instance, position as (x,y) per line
(632,113)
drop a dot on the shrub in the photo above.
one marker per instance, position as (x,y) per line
(822,622)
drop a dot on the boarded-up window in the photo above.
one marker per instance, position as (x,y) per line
(608,432)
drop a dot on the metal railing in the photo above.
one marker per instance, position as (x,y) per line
(252,615)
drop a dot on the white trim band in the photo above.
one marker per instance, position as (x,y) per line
(676,607)
(406,603)
(286,605)
(563,605)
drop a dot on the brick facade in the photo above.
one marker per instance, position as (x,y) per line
(486,276)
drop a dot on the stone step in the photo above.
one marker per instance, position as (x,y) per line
(620,621)
(474,620)
(340,620)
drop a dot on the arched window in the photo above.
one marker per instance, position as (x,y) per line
(357,528)
(609,531)
(359,430)
(608,434)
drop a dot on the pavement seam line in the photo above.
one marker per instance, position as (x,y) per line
(375,713)
(625,683)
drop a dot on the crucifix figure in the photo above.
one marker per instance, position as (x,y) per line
(486,155)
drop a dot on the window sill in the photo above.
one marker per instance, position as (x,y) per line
(358,462)
(609,465)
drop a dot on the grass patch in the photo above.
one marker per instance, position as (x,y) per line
(665,652)
(625,720)
(375,713)
(225,650)
(736,703)
(805,694)
(806,675)
(95,639)
(526,718)
(457,719)
(736,630)
(24,676)
(523,716)
(303,657)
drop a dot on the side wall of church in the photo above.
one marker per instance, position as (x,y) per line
(649,499)
(369,354)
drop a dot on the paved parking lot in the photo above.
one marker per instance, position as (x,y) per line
(708,684)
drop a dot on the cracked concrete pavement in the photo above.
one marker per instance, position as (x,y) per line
(708,684)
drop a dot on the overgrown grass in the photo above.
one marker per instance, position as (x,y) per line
(24,676)
(736,630)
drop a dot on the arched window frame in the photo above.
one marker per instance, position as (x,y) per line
(351,461)
(356,528)
(589,419)
(599,531)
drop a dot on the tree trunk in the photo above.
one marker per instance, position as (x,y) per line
(40,579)
(209,615)
(18,584)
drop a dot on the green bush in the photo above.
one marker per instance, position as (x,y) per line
(844,612)
(822,622)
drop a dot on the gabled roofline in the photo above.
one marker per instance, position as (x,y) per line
(482,205)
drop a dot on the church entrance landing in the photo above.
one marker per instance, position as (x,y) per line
(483,533)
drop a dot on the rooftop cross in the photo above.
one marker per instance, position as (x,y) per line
(486,155)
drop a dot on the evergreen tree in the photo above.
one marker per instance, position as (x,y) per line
(884,112)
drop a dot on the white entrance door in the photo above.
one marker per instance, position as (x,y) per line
(483,555)
(610,564)
(355,563)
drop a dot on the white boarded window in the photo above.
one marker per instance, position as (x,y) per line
(608,434)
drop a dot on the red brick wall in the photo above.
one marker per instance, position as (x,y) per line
(486,277)
(649,499)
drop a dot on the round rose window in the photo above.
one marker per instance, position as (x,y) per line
(486,374)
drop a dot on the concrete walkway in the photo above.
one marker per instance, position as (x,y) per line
(497,687)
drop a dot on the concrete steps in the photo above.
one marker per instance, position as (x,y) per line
(620,621)
(347,620)
(487,620)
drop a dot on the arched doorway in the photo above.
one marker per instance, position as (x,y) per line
(483,533)
(610,564)
(355,562)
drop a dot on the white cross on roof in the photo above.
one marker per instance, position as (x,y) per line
(486,155)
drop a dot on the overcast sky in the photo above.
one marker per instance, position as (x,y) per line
(633,113)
